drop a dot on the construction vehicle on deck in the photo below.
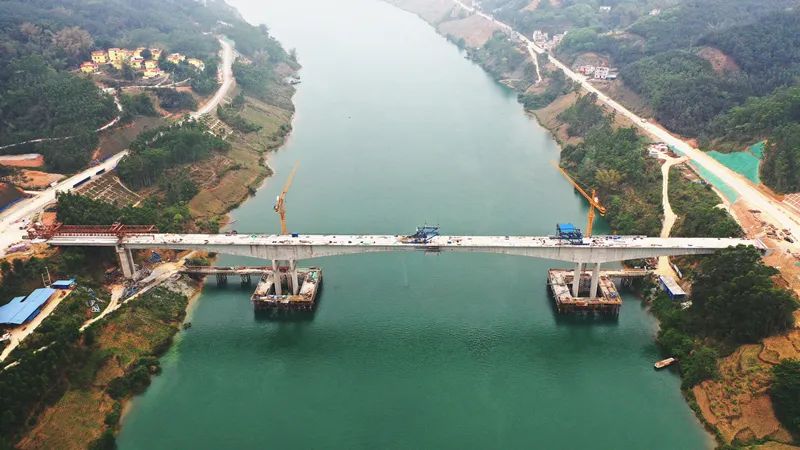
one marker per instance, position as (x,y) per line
(423,235)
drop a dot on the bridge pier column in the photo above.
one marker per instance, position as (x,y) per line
(293,272)
(576,279)
(126,262)
(276,277)
(595,280)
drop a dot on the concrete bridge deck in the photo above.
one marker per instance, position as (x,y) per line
(597,249)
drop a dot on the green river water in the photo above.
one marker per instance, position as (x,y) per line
(394,128)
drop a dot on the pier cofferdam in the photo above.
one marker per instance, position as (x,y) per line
(597,249)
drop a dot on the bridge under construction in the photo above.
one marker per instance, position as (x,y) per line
(286,250)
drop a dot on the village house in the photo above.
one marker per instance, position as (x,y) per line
(151,72)
(175,58)
(605,9)
(115,54)
(99,57)
(198,64)
(601,73)
(587,69)
(88,67)
(119,57)
(136,62)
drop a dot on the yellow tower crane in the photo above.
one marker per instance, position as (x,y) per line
(594,201)
(280,202)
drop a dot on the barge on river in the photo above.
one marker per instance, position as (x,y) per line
(265,297)
(606,301)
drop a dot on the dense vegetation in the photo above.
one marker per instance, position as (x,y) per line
(582,116)
(770,56)
(698,214)
(154,151)
(173,100)
(682,89)
(136,105)
(43,375)
(759,116)
(613,161)
(785,394)
(75,209)
(37,101)
(781,167)
(719,318)
(570,14)
(499,56)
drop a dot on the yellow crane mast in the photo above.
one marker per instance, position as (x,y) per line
(280,202)
(594,201)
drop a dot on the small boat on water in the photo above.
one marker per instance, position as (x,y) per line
(665,363)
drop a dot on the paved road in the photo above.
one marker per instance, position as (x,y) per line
(10,232)
(772,211)
(227,80)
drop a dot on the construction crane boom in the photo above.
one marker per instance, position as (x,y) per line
(594,201)
(280,202)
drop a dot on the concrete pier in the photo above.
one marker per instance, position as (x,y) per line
(602,296)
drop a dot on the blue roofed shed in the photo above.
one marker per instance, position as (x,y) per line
(23,309)
(672,288)
(63,284)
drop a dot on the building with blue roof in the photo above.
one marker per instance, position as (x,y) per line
(63,284)
(23,309)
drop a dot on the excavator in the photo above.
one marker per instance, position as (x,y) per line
(280,202)
(594,201)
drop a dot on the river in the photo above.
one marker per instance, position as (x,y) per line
(394,128)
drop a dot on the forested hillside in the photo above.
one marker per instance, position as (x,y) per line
(724,71)
(43,41)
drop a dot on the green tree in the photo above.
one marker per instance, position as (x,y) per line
(699,365)
(735,299)
(785,394)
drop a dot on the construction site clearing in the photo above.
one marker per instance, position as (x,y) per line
(607,303)
(108,188)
